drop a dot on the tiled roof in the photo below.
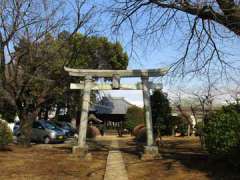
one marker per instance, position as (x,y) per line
(110,105)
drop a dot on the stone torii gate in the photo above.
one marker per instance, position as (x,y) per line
(87,85)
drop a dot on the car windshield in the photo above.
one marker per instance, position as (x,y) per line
(64,125)
(49,125)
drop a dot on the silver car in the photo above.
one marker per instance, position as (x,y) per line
(46,132)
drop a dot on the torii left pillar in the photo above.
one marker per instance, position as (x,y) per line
(82,149)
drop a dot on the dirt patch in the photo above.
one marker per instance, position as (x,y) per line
(183,159)
(50,163)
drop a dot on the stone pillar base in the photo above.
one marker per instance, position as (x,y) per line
(81,152)
(150,153)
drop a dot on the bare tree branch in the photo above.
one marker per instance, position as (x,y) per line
(156,18)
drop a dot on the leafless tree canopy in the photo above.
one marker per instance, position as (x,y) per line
(203,23)
(33,20)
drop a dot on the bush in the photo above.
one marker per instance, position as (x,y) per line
(182,128)
(141,136)
(137,129)
(222,135)
(5,135)
(179,124)
(7,111)
(92,132)
(199,127)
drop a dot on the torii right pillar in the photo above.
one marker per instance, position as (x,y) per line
(151,151)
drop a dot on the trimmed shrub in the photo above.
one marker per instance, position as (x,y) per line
(5,135)
(141,136)
(222,135)
(137,129)
(92,132)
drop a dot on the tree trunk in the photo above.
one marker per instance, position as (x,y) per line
(158,138)
(26,121)
(2,63)
(189,130)
(120,129)
(173,131)
(187,118)
(46,113)
(78,116)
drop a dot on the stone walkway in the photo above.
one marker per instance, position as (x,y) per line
(115,168)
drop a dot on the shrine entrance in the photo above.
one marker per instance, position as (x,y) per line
(89,84)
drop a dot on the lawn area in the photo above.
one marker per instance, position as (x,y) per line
(183,159)
(50,162)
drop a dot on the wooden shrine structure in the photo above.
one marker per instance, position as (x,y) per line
(88,84)
(112,112)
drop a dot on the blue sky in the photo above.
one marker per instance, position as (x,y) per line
(157,59)
(151,53)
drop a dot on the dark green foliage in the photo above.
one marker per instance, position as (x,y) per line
(41,81)
(199,127)
(231,108)
(222,134)
(135,116)
(79,52)
(179,124)
(161,113)
(141,137)
(5,135)
(7,111)
(42,63)
(96,53)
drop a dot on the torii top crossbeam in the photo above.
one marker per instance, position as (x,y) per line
(120,73)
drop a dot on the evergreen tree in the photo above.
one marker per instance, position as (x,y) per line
(161,113)
(135,116)
(37,77)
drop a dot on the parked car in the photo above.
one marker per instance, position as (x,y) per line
(67,128)
(46,132)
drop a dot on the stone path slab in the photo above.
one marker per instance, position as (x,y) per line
(115,168)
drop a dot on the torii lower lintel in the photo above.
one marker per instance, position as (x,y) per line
(107,86)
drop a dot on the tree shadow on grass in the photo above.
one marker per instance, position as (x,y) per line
(215,169)
(190,157)
(93,145)
(99,146)
(5,149)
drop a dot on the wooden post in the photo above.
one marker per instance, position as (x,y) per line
(147,110)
